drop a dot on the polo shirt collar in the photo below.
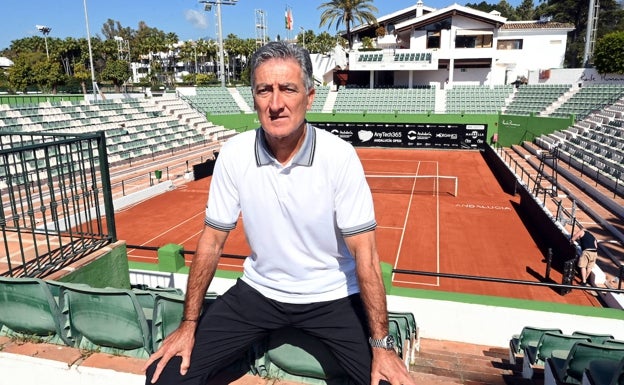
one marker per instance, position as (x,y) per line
(303,157)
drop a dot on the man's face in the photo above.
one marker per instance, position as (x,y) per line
(280,98)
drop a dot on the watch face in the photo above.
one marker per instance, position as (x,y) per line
(389,342)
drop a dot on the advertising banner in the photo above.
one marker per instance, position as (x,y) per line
(409,135)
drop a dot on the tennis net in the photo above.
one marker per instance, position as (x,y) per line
(413,184)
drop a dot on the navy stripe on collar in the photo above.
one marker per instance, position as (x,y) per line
(304,157)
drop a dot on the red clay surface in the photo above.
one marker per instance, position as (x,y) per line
(478,232)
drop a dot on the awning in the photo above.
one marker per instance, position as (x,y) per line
(474,32)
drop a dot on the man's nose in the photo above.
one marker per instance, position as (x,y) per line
(277,100)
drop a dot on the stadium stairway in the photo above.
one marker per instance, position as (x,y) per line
(437,363)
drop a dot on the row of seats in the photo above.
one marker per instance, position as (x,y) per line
(413,56)
(134,322)
(566,358)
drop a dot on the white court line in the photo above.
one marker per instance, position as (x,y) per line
(396,263)
(173,228)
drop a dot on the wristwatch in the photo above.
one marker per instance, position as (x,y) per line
(385,343)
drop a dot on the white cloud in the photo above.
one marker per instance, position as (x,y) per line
(196,18)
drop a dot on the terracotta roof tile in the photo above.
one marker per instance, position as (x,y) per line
(536,25)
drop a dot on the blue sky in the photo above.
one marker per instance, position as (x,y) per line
(186,18)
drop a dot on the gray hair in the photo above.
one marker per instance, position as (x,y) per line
(283,50)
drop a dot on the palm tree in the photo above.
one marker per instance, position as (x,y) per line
(347,12)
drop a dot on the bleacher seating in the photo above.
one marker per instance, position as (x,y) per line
(28,309)
(529,336)
(108,320)
(290,354)
(477,99)
(597,338)
(134,322)
(370,57)
(412,57)
(385,100)
(594,145)
(604,372)
(535,355)
(589,98)
(320,98)
(134,129)
(535,98)
(214,100)
(569,369)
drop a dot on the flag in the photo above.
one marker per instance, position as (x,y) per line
(289,19)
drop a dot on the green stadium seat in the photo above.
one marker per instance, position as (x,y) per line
(108,320)
(529,335)
(561,370)
(604,372)
(168,310)
(412,333)
(597,338)
(28,309)
(613,342)
(293,355)
(535,356)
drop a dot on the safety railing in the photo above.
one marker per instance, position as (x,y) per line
(55,197)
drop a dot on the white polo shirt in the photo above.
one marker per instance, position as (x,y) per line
(295,216)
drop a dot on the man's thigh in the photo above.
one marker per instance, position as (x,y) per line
(226,330)
(342,326)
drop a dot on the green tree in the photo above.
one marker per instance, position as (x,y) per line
(324,43)
(83,75)
(526,10)
(347,12)
(575,12)
(609,53)
(205,79)
(234,47)
(20,73)
(48,75)
(117,72)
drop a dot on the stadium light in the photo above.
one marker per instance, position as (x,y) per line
(45,30)
(207,7)
(93,83)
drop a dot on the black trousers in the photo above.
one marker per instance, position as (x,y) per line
(242,316)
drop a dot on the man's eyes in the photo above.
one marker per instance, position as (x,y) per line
(265,91)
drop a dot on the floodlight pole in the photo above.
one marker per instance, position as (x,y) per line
(220,33)
(93,83)
(45,31)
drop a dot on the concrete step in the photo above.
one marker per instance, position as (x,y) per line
(447,362)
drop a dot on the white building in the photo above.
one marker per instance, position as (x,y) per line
(454,45)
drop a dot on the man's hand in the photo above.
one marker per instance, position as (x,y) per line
(179,343)
(387,365)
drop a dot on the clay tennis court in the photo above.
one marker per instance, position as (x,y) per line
(422,225)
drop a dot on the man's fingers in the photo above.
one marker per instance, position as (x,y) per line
(186,363)
(151,359)
(160,366)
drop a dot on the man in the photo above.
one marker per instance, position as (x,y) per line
(309,221)
(589,247)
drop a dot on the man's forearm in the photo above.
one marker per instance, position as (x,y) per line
(202,271)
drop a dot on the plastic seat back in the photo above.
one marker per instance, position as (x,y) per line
(530,335)
(28,309)
(168,311)
(554,341)
(582,354)
(613,342)
(597,338)
(108,320)
(292,352)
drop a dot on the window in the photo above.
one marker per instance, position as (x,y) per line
(433,39)
(473,41)
(509,44)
